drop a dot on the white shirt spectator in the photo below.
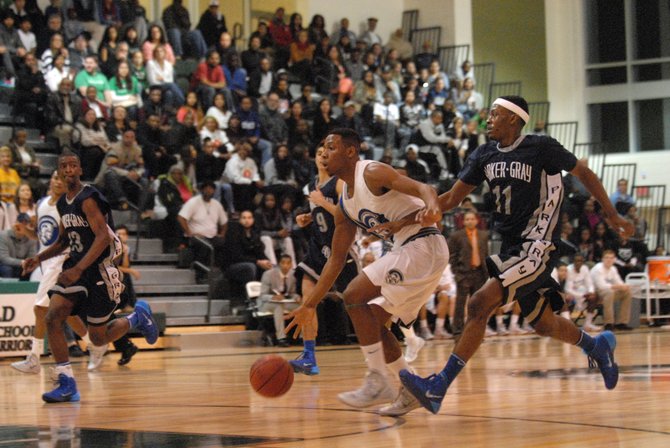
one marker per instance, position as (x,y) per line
(386,112)
(28,40)
(243,172)
(204,218)
(55,76)
(603,278)
(155,72)
(217,136)
(579,283)
(221,117)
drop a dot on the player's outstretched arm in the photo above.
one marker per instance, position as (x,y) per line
(345,233)
(380,177)
(454,197)
(582,172)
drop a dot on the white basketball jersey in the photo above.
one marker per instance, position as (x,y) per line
(367,210)
(48,226)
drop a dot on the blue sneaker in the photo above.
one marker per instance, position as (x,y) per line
(602,356)
(66,391)
(429,391)
(305,364)
(146,323)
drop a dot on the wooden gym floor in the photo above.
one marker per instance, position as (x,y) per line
(518,391)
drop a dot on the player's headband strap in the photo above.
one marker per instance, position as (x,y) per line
(513,108)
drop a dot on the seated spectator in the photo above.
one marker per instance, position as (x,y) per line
(411,114)
(236,77)
(464,71)
(631,256)
(610,287)
(110,40)
(91,101)
(191,106)
(251,57)
(579,285)
(78,50)
(178,25)
(139,71)
(620,198)
(332,77)
(63,110)
(235,133)
(219,111)
(639,223)
(120,54)
(12,47)
(183,137)
(308,102)
(458,145)
(263,33)
(152,138)
(387,119)
(355,66)
(352,120)
(16,245)
(469,101)
(279,175)
(365,95)
(27,37)
(93,143)
(251,127)
(603,239)
(210,162)
(590,217)
(218,138)
(204,217)
(157,37)
(9,177)
(302,55)
(132,38)
(435,73)
(91,77)
(403,47)
(174,190)
(281,35)
(56,48)
(385,83)
(24,159)
(242,173)
(125,91)
(208,80)
(324,121)
(431,138)
(118,125)
(438,94)
(585,245)
(261,81)
(273,125)
(278,295)
(57,73)
(414,167)
(273,234)
(160,72)
(156,106)
(30,94)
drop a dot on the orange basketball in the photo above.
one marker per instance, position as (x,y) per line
(271,376)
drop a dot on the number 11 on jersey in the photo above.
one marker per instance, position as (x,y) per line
(504,200)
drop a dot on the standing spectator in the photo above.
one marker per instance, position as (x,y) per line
(278,295)
(160,72)
(178,25)
(610,287)
(244,257)
(579,285)
(370,37)
(16,245)
(468,249)
(212,23)
(204,217)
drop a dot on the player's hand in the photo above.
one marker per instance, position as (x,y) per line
(69,276)
(29,265)
(621,226)
(303,220)
(317,198)
(429,215)
(303,318)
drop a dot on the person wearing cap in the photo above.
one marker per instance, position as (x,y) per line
(212,23)
(369,36)
(15,246)
(524,173)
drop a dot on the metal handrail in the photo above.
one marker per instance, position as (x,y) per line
(199,265)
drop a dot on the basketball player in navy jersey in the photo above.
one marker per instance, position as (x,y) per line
(90,282)
(324,193)
(524,173)
(397,284)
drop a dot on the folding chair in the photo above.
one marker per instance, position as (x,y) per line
(264,320)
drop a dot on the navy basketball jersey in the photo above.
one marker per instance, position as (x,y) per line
(77,228)
(323,223)
(525,179)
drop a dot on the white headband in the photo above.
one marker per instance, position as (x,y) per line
(513,108)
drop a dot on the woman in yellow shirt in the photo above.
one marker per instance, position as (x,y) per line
(9,178)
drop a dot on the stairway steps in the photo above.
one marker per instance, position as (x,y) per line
(171,289)
(164,276)
(190,308)
(188,321)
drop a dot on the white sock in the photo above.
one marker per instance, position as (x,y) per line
(499,322)
(399,364)
(65,369)
(565,315)
(439,324)
(374,356)
(38,347)
(408,332)
(423,323)
(514,321)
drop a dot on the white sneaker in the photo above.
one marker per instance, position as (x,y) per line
(489,332)
(592,327)
(426,334)
(443,334)
(96,356)
(502,332)
(528,329)
(414,346)
(29,365)
(516,330)
(404,403)
(375,390)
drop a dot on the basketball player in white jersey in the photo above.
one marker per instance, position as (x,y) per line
(396,285)
(48,221)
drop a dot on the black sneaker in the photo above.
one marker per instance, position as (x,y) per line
(609,327)
(76,352)
(622,327)
(283,342)
(127,354)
